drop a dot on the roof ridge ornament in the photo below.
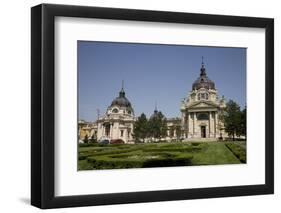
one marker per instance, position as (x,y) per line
(202,70)
(122,92)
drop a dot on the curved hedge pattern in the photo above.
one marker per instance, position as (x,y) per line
(138,156)
(119,156)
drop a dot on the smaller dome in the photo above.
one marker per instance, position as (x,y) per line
(155,114)
(203,81)
(121,100)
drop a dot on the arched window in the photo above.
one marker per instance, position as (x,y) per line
(115,110)
(203,96)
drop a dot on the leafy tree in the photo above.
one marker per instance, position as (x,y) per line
(243,122)
(141,128)
(232,119)
(86,139)
(221,121)
(157,125)
(93,138)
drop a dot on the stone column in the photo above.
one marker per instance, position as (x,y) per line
(125,135)
(98,132)
(103,130)
(209,114)
(117,132)
(111,130)
(190,126)
(183,122)
(194,124)
(216,122)
(211,124)
(186,128)
(129,134)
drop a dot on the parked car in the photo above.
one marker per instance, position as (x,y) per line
(117,141)
(104,142)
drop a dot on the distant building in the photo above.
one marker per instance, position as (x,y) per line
(202,110)
(118,121)
(86,129)
(174,131)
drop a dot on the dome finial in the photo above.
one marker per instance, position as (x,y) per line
(202,67)
(122,92)
(155,110)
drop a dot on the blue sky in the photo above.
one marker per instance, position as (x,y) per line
(153,73)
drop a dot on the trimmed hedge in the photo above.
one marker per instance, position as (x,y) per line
(87,144)
(195,143)
(186,149)
(83,156)
(238,151)
(119,156)
(107,162)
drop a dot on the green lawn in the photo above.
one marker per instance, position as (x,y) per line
(94,156)
(215,153)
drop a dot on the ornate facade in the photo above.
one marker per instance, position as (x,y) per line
(202,109)
(118,121)
(174,129)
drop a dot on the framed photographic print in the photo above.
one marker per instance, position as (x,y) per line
(139,106)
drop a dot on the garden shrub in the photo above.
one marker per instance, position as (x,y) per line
(87,144)
(238,151)
(185,149)
(83,156)
(142,160)
(195,143)
(180,160)
(106,162)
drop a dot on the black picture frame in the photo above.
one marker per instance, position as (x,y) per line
(43,105)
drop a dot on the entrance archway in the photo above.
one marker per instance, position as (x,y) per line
(203,131)
(107,129)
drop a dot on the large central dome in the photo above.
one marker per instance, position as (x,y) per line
(203,81)
(121,100)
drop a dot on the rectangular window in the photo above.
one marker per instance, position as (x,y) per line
(122,133)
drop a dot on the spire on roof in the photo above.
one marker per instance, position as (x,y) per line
(202,70)
(122,92)
(155,110)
